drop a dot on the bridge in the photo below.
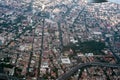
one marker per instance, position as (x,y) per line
(83,65)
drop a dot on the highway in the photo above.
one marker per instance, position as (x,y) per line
(83,65)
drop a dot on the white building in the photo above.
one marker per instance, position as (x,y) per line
(65,60)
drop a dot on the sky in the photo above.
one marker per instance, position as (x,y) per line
(116,1)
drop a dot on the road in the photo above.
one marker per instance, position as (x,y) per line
(117,57)
(76,19)
(31,52)
(41,49)
(10,8)
(60,36)
(83,65)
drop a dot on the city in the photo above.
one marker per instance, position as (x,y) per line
(59,40)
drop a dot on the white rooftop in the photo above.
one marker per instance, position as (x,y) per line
(65,60)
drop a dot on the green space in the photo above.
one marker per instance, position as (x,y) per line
(86,47)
